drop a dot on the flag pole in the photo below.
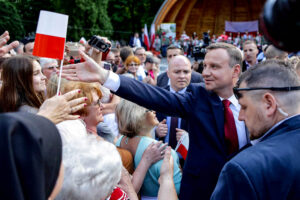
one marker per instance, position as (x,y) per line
(60,71)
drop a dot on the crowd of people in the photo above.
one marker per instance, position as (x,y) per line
(115,127)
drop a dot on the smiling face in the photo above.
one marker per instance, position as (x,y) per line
(133,67)
(180,73)
(217,73)
(39,80)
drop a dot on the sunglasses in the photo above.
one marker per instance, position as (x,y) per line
(238,95)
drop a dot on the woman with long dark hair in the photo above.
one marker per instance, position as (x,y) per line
(23,85)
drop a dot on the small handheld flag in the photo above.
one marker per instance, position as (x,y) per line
(50,35)
(183,145)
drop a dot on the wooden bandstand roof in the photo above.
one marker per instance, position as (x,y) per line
(202,15)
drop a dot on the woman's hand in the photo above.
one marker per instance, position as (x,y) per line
(60,108)
(154,152)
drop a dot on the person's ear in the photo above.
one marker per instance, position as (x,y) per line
(236,71)
(269,104)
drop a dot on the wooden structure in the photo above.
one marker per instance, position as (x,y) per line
(202,15)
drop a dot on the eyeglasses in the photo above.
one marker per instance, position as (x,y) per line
(148,110)
(52,67)
(283,89)
(97,103)
(131,65)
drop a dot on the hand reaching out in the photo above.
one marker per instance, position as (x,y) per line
(154,152)
(88,71)
(3,41)
(60,108)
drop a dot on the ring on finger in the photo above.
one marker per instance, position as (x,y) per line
(161,153)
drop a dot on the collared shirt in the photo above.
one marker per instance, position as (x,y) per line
(248,65)
(240,125)
(254,142)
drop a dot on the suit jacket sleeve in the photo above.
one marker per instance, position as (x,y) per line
(234,183)
(156,98)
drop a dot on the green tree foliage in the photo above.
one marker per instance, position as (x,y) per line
(10,20)
(86,17)
(129,16)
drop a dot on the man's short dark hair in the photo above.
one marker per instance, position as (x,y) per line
(138,48)
(249,42)
(172,47)
(235,55)
(115,50)
(125,52)
(270,73)
(273,73)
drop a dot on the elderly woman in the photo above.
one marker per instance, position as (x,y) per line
(23,85)
(92,169)
(136,123)
(132,64)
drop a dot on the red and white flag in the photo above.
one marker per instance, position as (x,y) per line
(152,32)
(183,145)
(50,35)
(146,38)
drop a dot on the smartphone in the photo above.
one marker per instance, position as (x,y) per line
(106,65)
(99,44)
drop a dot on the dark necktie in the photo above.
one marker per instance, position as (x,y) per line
(172,132)
(231,138)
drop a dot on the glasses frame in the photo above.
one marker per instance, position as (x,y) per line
(282,89)
(98,103)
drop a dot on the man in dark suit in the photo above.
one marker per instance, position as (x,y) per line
(270,168)
(163,79)
(203,108)
(170,129)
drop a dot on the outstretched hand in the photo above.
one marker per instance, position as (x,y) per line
(61,108)
(3,41)
(88,71)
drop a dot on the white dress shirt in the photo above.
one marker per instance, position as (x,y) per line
(240,125)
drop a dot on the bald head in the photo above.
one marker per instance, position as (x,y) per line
(179,72)
(179,59)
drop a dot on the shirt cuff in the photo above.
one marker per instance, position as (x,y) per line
(112,82)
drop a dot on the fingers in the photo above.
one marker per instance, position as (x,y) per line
(163,121)
(69,68)
(72,117)
(4,34)
(3,40)
(74,109)
(84,56)
(69,95)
